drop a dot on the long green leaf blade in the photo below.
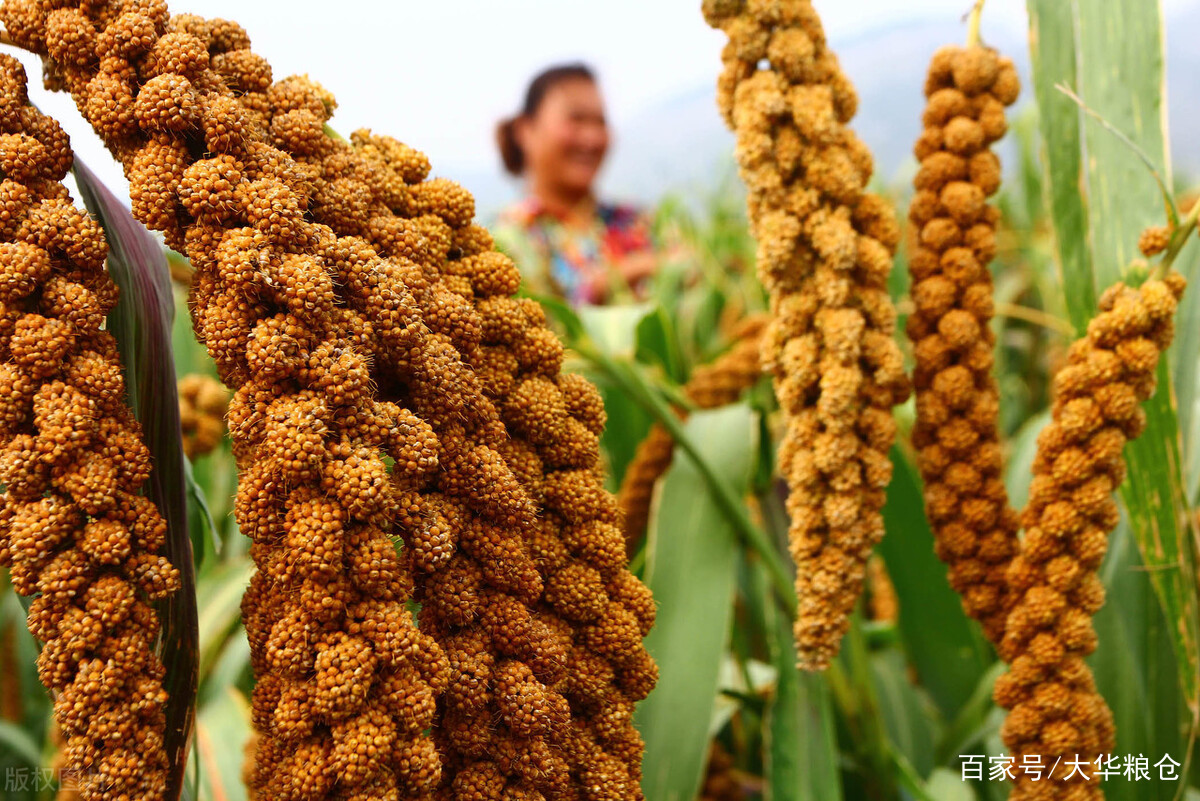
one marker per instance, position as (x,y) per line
(802,755)
(1121,79)
(20,743)
(221,734)
(943,644)
(219,593)
(1052,46)
(1135,671)
(692,569)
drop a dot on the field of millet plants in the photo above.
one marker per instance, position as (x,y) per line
(883,493)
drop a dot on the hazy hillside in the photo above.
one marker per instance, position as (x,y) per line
(682,145)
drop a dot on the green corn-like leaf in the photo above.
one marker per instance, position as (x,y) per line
(222,729)
(692,570)
(1052,45)
(803,757)
(658,343)
(141,323)
(943,644)
(973,724)
(19,743)
(219,596)
(1120,53)
(1122,80)
(801,752)
(614,329)
(945,785)
(1135,670)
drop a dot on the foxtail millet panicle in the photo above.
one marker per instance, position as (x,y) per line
(310,437)
(956,433)
(1054,707)
(203,402)
(825,248)
(372,282)
(555,420)
(74,531)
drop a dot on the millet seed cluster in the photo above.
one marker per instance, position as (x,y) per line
(1054,708)
(958,402)
(203,402)
(73,529)
(487,590)
(348,299)
(825,248)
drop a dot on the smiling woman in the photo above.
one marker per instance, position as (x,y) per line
(568,243)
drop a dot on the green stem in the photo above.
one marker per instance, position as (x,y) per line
(910,780)
(1179,238)
(733,507)
(874,746)
(332,134)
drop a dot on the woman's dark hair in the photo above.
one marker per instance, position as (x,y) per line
(506,137)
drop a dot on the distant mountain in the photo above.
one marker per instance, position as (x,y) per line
(682,144)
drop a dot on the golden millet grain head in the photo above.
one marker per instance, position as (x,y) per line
(166,103)
(154,174)
(1154,240)
(317,324)
(25,21)
(301,92)
(23,267)
(222,35)
(956,397)
(70,38)
(717,12)
(650,461)
(177,52)
(226,124)
(207,188)
(299,131)
(23,157)
(203,402)
(411,165)
(243,70)
(822,243)
(1070,512)
(974,69)
(109,106)
(446,199)
(94,574)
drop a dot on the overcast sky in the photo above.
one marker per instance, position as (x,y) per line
(439,74)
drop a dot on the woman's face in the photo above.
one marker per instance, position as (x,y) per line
(566,138)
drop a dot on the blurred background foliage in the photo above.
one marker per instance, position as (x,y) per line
(910,694)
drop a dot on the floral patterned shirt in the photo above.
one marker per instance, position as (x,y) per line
(573,263)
